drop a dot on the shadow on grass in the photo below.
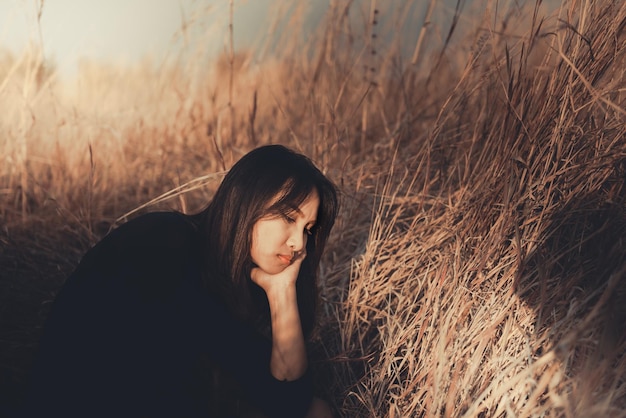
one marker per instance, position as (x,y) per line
(575,280)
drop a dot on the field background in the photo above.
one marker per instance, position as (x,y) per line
(478,267)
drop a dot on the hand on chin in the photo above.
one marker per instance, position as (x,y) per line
(287,277)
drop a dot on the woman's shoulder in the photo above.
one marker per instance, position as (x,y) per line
(153,235)
(156,226)
(151,254)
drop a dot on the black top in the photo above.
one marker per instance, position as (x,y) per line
(127,332)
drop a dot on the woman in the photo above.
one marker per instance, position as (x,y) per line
(235,284)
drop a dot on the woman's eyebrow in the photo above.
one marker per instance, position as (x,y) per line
(296,209)
(299,212)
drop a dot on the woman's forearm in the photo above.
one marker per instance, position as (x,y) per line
(288,360)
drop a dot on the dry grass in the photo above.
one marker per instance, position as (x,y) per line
(478,268)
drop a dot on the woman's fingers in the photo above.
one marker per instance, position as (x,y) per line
(257,275)
(288,276)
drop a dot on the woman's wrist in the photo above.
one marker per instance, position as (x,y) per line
(288,360)
(281,295)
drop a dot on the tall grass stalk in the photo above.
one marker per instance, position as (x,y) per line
(478,266)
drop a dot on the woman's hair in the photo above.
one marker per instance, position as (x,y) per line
(247,194)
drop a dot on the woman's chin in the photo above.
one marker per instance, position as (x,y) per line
(272,269)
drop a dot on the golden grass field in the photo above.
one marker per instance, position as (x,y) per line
(478,268)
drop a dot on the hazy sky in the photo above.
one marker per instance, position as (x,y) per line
(115,30)
(123,30)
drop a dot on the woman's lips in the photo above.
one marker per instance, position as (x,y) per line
(286,259)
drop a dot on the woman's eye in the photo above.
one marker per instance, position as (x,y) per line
(288,218)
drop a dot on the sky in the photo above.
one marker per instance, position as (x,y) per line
(90,28)
(121,31)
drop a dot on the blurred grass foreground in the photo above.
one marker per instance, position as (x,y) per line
(479,264)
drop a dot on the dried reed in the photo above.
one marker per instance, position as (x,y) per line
(478,266)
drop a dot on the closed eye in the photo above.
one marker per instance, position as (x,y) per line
(309,230)
(287,218)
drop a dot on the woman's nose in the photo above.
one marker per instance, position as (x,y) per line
(297,240)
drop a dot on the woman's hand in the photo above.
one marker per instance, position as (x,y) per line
(288,360)
(271,283)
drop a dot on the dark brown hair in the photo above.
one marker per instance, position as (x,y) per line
(243,198)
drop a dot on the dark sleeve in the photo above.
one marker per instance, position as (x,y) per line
(110,341)
(77,369)
(245,355)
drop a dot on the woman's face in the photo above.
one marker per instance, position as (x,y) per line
(276,239)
